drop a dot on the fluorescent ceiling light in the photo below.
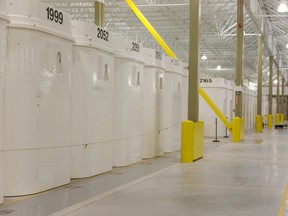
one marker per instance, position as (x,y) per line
(287,46)
(204,57)
(283,8)
(219,67)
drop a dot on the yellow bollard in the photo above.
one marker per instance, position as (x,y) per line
(192,141)
(282,118)
(238,129)
(278,120)
(258,124)
(270,121)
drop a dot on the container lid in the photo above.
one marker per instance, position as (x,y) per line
(185,71)
(3,13)
(173,65)
(154,58)
(38,16)
(91,35)
(128,49)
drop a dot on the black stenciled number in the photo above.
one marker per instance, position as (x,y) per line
(99,33)
(48,12)
(135,47)
(54,15)
(158,55)
(205,80)
(61,19)
(107,35)
(51,12)
(102,34)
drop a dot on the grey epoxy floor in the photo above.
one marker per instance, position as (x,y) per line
(248,178)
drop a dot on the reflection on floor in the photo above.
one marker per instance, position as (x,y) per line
(246,178)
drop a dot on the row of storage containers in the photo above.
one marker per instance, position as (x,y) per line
(75,102)
(222,93)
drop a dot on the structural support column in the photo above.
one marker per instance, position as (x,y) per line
(192,137)
(270,116)
(282,101)
(238,121)
(278,120)
(259,119)
(239,58)
(193,98)
(99,13)
(278,91)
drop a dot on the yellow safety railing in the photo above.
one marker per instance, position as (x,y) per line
(151,29)
(170,53)
(215,109)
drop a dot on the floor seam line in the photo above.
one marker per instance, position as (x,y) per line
(92,200)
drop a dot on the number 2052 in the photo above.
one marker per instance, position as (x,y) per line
(55,15)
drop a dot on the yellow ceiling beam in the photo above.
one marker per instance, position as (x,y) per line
(169,52)
(151,29)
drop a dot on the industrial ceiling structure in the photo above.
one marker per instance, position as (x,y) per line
(218,30)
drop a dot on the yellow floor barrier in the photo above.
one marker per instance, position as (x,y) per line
(259,124)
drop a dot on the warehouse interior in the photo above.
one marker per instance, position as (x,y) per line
(143,107)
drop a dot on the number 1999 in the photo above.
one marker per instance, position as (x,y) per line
(54,15)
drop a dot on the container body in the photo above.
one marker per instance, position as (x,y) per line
(153,103)
(37,100)
(172,96)
(222,94)
(91,103)
(3,57)
(127,111)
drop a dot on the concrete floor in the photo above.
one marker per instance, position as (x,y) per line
(248,178)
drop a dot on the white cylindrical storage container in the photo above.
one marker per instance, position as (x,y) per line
(153,82)
(37,135)
(219,90)
(170,136)
(4,20)
(91,101)
(230,100)
(184,92)
(246,105)
(128,71)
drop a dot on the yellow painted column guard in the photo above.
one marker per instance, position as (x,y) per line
(238,129)
(258,124)
(282,118)
(270,121)
(192,141)
(150,28)
(277,119)
(169,52)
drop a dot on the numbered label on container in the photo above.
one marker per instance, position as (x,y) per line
(102,34)
(135,47)
(55,15)
(176,62)
(205,80)
(159,55)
